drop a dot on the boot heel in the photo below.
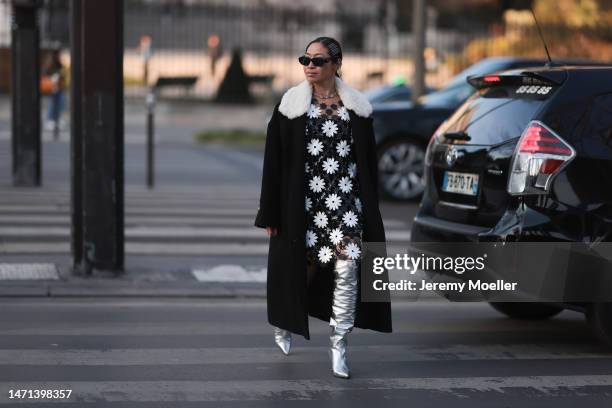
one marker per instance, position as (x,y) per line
(337,354)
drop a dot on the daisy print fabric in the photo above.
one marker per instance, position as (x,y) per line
(332,203)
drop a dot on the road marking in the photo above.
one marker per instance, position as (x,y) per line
(151,248)
(64,208)
(131,220)
(262,355)
(162,233)
(28,271)
(134,219)
(141,232)
(230,273)
(458,325)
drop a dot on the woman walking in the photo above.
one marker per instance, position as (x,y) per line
(54,70)
(319,202)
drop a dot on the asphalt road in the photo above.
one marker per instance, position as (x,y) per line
(220,353)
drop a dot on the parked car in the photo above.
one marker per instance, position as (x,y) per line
(391,93)
(527,158)
(403,129)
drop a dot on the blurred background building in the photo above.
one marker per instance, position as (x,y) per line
(196,37)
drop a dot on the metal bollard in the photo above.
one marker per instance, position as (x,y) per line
(150,136)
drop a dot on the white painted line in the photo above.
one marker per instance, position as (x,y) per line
(141,232)
(163,233)
(65,209)
(156,248)
(34,248)
(205,193)
(395,235)
(28,271)
(151,202)
(219,192)
(450,325)
(133,218)
(263,355)
(230,273)
(151,248)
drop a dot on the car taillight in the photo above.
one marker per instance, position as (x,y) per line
(540,155)
(432,142)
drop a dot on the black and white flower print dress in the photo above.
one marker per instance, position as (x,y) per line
(333,206)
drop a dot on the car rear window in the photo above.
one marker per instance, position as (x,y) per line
(496,114)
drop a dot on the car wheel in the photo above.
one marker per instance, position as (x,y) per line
(599,318)
(527,310)
(401,164)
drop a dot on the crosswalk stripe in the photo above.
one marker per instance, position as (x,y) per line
(140,232)
(158,232)
(137,219)
(151,248)
(257,327)
(229,273)
(154,248)
(220,190)
(145,202)
(65,208)
(19,271)
(202,193)
(134,219)
(301,354)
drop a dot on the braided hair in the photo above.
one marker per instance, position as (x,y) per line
(333,47)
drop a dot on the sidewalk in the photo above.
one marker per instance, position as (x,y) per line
(175,121)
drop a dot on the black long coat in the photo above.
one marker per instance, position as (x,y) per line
(289,299)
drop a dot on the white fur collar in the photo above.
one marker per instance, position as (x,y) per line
(296,101)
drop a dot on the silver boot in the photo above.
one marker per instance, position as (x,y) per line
(282,339)
(343,314)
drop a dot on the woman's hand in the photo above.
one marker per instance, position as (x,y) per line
(271,231)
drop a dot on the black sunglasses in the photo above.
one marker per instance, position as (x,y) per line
(317,61)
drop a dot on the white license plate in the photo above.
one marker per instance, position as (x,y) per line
(460,183)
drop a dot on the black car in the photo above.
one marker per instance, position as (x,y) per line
(391,93)
(527,158)
(403,129)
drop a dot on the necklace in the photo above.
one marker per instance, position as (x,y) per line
(326,96)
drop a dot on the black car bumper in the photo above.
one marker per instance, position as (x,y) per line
(528,225)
